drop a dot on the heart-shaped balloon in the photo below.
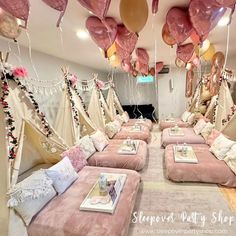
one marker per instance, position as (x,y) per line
(189,83)
(141,67)
(17,8)
(126,39)
(142,55)
(159,66)
(179,24)
(152,71)
(226,3)
(103,37)
(59,5)
(204,15)
(126,65)
(155,6)
(185,52)
(97,7)
(166,36)
(121,53)
(8,26)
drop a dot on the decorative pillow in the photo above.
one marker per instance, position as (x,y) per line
(120,119)
(199,126)
(30,195)
(99,140)
(211,138)
(87,147)
(62,175)
(191,119)
(127,114)
(125,117)
(76,157)
(185,116)
(230,158)
(117,124)
(111,129)
(206,131)
(221,146)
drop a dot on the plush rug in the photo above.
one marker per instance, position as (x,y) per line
(167,208)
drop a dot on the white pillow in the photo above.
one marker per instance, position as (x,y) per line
(99,140)
(125,117)
(221,146)
(62,174)
(206,131)
(120,119)
(185,116)
(117,124)
(191,119)
(199,126)
(87,147)
(111,129)
(30,195)
(230,158)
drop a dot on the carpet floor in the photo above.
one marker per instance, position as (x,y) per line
(167,208)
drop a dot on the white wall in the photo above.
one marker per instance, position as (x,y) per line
(166,102)
(48,68)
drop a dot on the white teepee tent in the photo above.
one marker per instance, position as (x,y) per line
(114,102)
(72,121)
(36,142)
(107,112)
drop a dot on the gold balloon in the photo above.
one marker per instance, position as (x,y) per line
(208,55)
(134,14)
(218,60)
(179,63)
(8,26)
(114,60)
(111,50)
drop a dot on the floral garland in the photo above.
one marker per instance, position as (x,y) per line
(70,83)
(229,116)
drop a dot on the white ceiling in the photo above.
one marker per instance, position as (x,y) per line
(45,37)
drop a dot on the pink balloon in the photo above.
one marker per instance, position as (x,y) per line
(159,66)
(226,3)
(179,24)
(17,8)
(126,65)
(126,39)
(121,53)
(204,15)
(141,67)
(103,37)
(59,5)
(155,6)
(142,55)
(185,52)
(97,7)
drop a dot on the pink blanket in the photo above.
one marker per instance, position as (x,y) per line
(110,158)
(208,170)
(62,217)
(168,124)
(126,132)
(145,122)
(189,137)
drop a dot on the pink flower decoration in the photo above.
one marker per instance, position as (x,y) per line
(100,84)
(73,80)
(20,72)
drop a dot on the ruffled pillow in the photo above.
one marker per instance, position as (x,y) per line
(230,158)
(221,146)
(206,131)
(191,119)
(99,140)
(185,116)
(125,117)
(199,126)
(120,119)
(62,175)
(87,147)
(211,138)
(76,157)
(117,124)
(111,129)
(30,195)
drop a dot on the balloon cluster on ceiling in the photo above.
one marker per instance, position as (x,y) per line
(189,28)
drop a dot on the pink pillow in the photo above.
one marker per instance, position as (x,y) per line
(76,157)
(214,135)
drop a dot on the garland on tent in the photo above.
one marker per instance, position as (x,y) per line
(70,80)
(10,127)
(229,116)
(229,74)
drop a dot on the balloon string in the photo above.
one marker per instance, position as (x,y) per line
(19,54)
(156,86)
(30,55)
(62,44)
(227,46)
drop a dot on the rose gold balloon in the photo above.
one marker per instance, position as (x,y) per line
(218,60)
(152,71)
(189,83)
(179,63)
(8,26)
(166,36)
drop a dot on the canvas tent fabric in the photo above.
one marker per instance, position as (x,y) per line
(210,109)
(113,102)
(94,110)
(33,147)
(108,115)
(230,128)
(224,106)
(65,123)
